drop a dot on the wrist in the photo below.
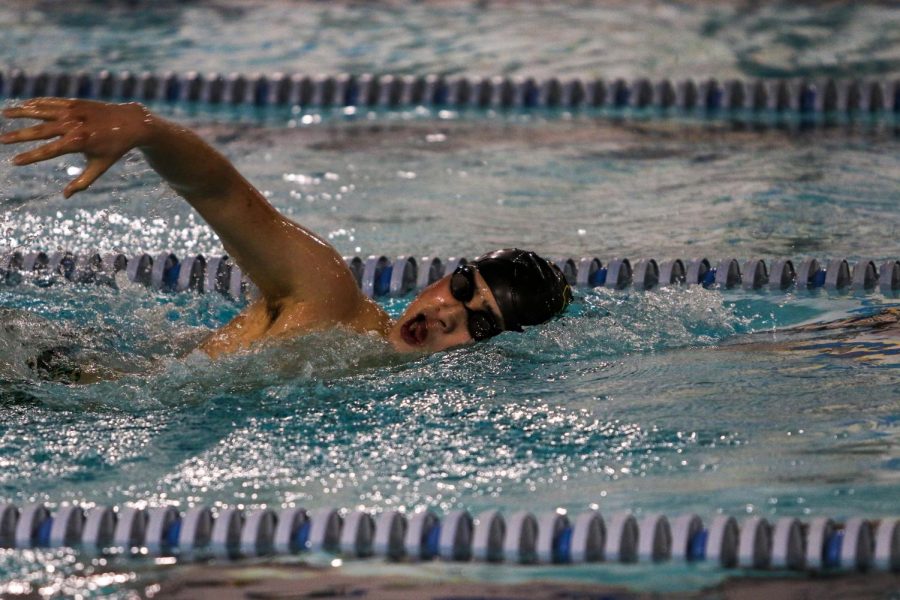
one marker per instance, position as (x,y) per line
(147,126)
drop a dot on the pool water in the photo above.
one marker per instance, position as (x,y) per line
(652,38)
(673,400)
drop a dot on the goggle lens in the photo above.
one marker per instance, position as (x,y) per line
(481,323)
(462,283)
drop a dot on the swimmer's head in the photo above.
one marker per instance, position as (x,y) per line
(502,291)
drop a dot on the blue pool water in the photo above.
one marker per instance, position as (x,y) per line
(667,401)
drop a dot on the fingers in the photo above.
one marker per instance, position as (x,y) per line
(52,101)
(44,131)
(65,145)
(94,169)
(46,109)
(32,112)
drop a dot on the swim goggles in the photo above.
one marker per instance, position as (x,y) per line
(482,324)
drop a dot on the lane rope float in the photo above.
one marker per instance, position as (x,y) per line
(708,96)
(552,537)
(379,276)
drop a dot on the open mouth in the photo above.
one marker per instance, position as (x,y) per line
(415,330)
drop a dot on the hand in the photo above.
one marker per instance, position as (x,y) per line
(103,132)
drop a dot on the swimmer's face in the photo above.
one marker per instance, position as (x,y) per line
(435,320)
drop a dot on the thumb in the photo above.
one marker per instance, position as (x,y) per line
(94,169)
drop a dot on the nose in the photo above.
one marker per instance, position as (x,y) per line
(448,317)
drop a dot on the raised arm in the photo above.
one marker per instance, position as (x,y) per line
(284,259)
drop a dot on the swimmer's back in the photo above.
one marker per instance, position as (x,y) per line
(872,339)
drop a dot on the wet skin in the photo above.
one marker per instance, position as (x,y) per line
(435,320)
(871,339)
(304,283)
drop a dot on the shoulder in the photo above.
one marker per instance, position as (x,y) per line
(353,310)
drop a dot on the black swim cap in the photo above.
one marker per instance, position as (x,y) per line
(529,290)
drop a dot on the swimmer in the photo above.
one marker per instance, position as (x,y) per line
(304,283)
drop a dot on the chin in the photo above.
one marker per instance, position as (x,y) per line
(401,346)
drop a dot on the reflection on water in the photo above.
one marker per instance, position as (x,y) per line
(625,393)
(649,38)
(625,402)
(563,187)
